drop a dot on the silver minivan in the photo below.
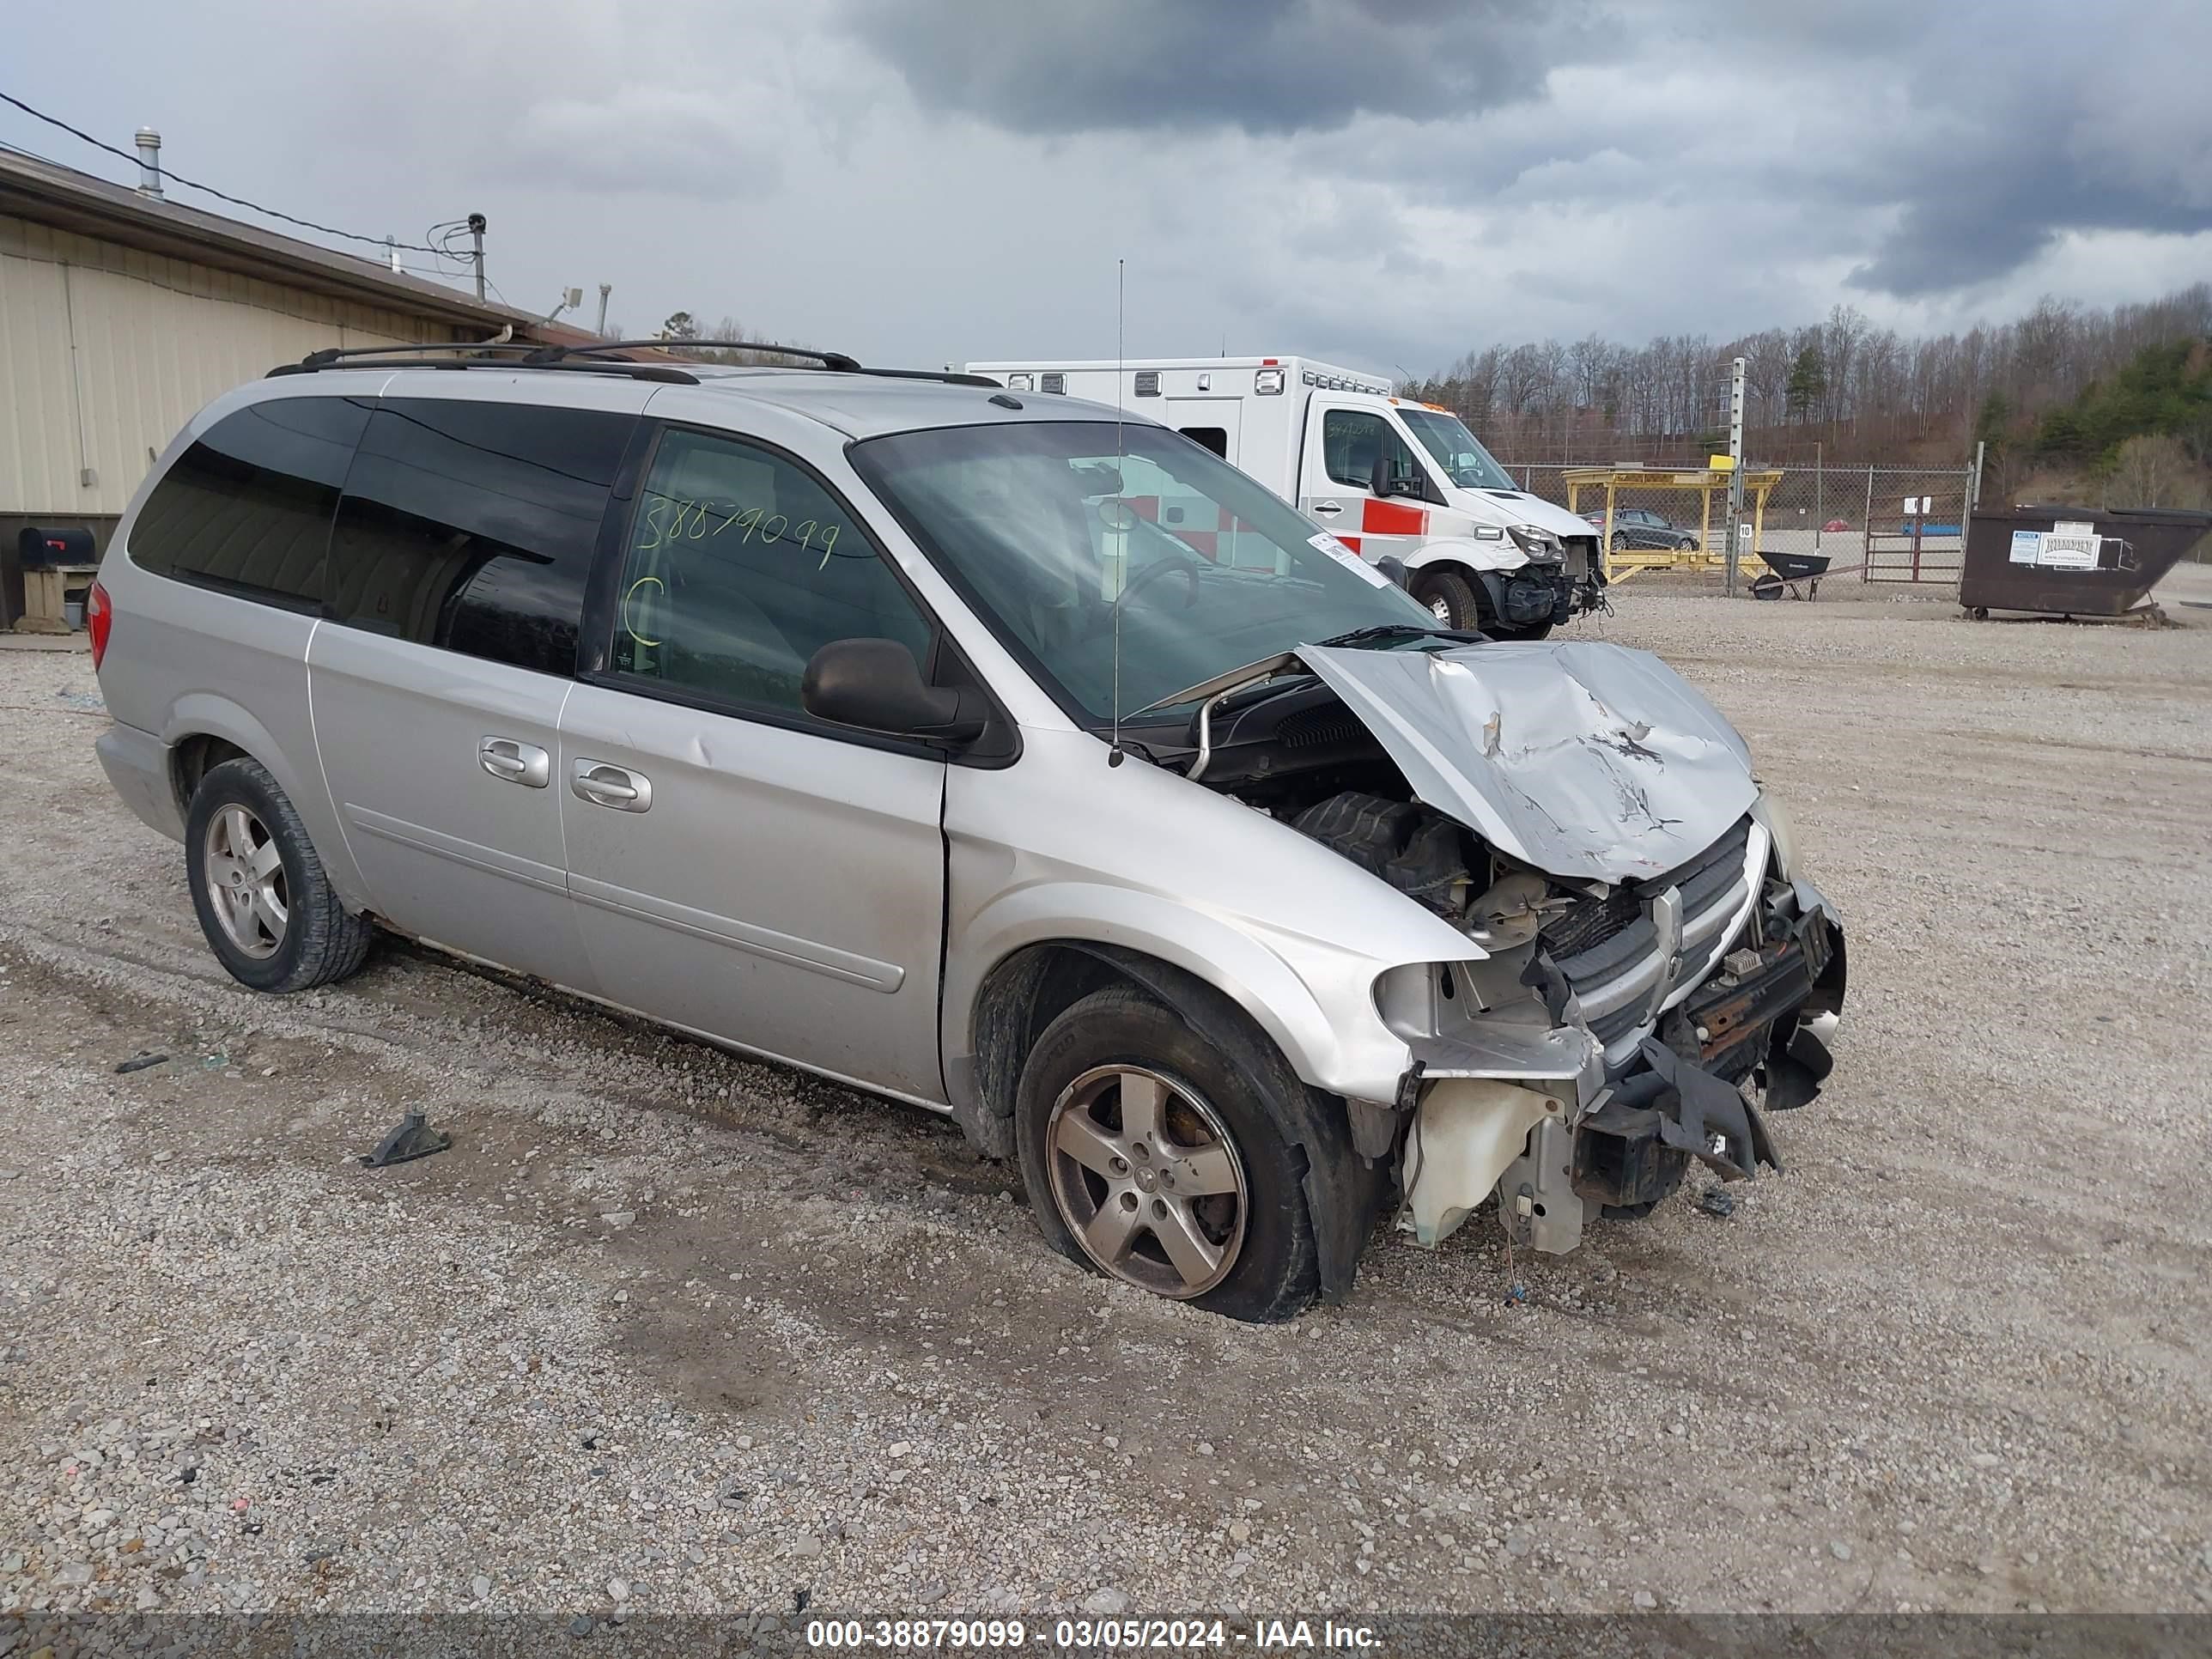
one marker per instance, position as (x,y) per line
(997,752)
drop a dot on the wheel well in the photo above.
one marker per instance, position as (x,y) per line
(1026,992)
(1029,989)
(192,759)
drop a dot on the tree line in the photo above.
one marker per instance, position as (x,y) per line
(1867,394)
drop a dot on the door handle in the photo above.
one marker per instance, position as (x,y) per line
(1326,509)
(515,763)
(603,785)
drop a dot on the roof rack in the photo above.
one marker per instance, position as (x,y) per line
(591,357)
(385,357)
(834,361)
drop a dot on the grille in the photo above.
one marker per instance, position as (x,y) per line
(1591,921)
(1610,950)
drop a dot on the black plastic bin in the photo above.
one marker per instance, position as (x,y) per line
(2072,560)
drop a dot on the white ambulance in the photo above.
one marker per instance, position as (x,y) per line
(1390,477)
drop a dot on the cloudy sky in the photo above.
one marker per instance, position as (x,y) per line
(1384,182)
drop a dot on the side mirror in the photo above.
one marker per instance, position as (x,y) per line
(1378,476)
(874,685)
(1394,568)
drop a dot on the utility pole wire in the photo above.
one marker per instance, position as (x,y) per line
(190,184)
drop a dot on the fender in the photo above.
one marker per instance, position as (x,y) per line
(1365,1062)
(209,715)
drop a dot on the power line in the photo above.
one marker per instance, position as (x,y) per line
(189,184)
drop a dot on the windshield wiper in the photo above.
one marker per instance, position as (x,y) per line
(1381,631)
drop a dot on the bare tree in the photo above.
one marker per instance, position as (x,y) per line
(2153,471)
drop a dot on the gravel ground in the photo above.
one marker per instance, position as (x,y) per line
(668,1330)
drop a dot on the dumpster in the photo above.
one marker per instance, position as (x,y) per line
(2072,560)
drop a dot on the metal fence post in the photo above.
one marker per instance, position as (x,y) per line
(1820,507)
(1866,524)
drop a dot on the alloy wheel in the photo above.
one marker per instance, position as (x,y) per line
(1147,1177)
(245,881)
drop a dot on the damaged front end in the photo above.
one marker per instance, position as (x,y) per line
(1645,968)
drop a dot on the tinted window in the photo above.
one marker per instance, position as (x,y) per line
(247,508)
(1215,438)
(741,566)
(1352,438)
(471,526)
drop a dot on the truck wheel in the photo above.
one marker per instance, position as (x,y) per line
(1457,602)
(1151,1157)
(268,911)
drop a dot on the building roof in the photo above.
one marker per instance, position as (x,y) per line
(66,199)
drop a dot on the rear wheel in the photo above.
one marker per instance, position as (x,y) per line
(264,903)
(1620,541)
(1152,1156)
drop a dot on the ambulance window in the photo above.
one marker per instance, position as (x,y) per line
(1351,441)
(1215,438)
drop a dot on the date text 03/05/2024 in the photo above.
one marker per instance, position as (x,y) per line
(1087,1634)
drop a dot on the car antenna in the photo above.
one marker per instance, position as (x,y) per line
(1122,575)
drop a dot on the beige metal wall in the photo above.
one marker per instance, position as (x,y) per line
(105,351)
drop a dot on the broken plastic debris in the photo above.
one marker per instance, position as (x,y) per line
(414,1137)
(1715,1202)
(1516,1294)
(140,1061)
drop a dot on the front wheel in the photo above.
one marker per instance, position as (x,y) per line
(1452,599)
(1620,541)
(1151,1157)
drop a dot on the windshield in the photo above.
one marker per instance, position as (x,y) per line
(1465,462)
(1051,528)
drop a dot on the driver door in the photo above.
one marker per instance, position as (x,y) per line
(1343,442)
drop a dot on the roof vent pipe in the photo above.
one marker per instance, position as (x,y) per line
(149,162)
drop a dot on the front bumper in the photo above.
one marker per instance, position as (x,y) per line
(1614,1132)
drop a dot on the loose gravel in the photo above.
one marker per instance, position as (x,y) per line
(668,1330)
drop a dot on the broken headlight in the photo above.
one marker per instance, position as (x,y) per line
(1767,811)
(1541,545)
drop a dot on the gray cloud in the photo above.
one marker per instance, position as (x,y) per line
(1948,145)
(1263,66)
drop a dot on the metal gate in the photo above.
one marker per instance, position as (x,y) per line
(1913,527)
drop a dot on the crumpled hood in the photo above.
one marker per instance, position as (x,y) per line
(1587,760)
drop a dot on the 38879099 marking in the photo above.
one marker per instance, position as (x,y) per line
(1076,1634)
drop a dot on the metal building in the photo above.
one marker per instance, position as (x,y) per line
(121,313)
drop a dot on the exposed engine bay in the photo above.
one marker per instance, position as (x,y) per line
(1642,972)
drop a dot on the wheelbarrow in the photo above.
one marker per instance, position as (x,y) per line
(1798,575)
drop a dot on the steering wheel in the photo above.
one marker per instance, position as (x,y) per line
(1186,566)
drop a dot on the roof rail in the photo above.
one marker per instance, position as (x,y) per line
(836,361)
(666,373)
(554,354)
(472,353)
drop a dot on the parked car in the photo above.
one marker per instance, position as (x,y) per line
(1639,526)
(862,722)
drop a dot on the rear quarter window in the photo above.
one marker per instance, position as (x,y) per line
(471,527)
(246,508)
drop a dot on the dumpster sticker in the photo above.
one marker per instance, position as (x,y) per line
(2064,547)
(2066,552)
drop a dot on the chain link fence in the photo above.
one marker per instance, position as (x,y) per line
(1885,524)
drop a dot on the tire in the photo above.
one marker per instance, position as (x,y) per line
(1456,601)
(1767,587)
(1620,541)
(1253,1146)
(306,937)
